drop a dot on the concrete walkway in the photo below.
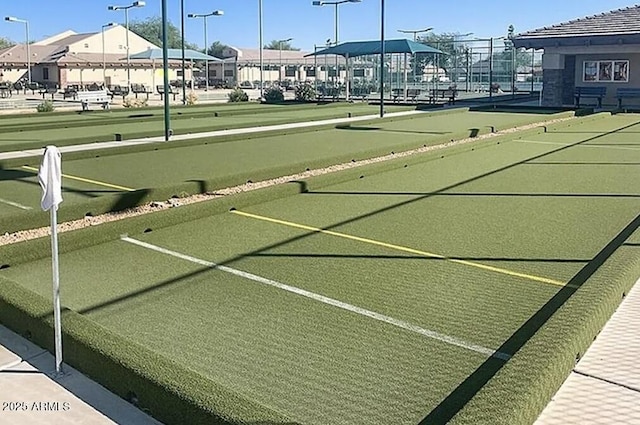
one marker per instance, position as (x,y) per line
(208,134)
(604,387)
(31,392)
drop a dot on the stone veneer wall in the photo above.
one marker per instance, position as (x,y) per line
(553,84)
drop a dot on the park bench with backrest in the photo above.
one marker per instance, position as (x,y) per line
(449,94)
(52,90)
(33,86)
(99,97)
(137,89)
(118,90)
(5,90)
(160,90)
(589,92)
(626,93)
(70,91)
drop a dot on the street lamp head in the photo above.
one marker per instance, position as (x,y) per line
(113,8)
(318,3)
(10,18)
(354,1)
(110,24)
(217,13)
(138,4)
(192,15)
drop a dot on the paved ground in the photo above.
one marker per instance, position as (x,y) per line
(31,393)
(604,387)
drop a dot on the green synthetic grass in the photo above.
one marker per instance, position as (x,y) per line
(164,170)
(503,205)
(72,130)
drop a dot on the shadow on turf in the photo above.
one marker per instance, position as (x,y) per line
(366,128)
(457,399)
(460,396)
(483,194)
(423,257)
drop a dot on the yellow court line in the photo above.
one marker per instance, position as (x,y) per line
(404,249)
(82,179)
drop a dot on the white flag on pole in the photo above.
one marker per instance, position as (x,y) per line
(50,177)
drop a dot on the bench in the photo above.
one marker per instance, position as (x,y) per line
(53,90)
(591,92)
(449,94)
(5,90)
(140,89)
(32,86)
(413,94)
(100,97)
(160,90)
(118,90)
(70,91)
(626,93)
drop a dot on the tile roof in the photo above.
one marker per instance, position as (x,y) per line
(624,21)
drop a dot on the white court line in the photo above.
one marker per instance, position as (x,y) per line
(326,300)
(577,146)
(15,204)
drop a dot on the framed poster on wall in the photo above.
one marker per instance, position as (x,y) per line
(621,71)
(606,71)
(590,71)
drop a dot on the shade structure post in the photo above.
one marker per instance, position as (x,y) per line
(382,54)
(165,69)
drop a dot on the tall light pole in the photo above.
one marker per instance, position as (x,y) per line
(184,77)
(286,40)
(26,23)
(104,56)
(204,17)
(261,48)
(382,54)
(336,4)
(126,22)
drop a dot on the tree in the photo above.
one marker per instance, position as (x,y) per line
(5,42)
(216,49)
(445,42)
(277,45)
(151,30)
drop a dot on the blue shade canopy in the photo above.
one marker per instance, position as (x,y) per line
(362,48)
(174,54)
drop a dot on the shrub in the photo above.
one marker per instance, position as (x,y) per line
(192,98)
(273,95)
(305,92)
(46,106)
(130,102)
(238,95)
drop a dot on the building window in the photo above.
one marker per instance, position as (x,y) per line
(606,71)
(86,45)
(358,72)
(310,71)
(290,71)
(214,72)
(228,72)
(45,73)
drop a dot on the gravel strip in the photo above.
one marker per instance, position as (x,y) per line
(9,238)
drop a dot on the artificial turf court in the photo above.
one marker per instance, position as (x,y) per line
(68,129)
(208,164)
(453,288)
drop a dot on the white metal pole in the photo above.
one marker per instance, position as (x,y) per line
(28,52)
(104,61)
(261,56)
(126,20)
(56,288)
(206,62)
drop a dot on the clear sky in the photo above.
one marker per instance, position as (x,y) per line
(298,19)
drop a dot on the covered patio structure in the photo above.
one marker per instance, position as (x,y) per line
(352,49)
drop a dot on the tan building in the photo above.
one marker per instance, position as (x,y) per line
(242,65)
(70,58)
